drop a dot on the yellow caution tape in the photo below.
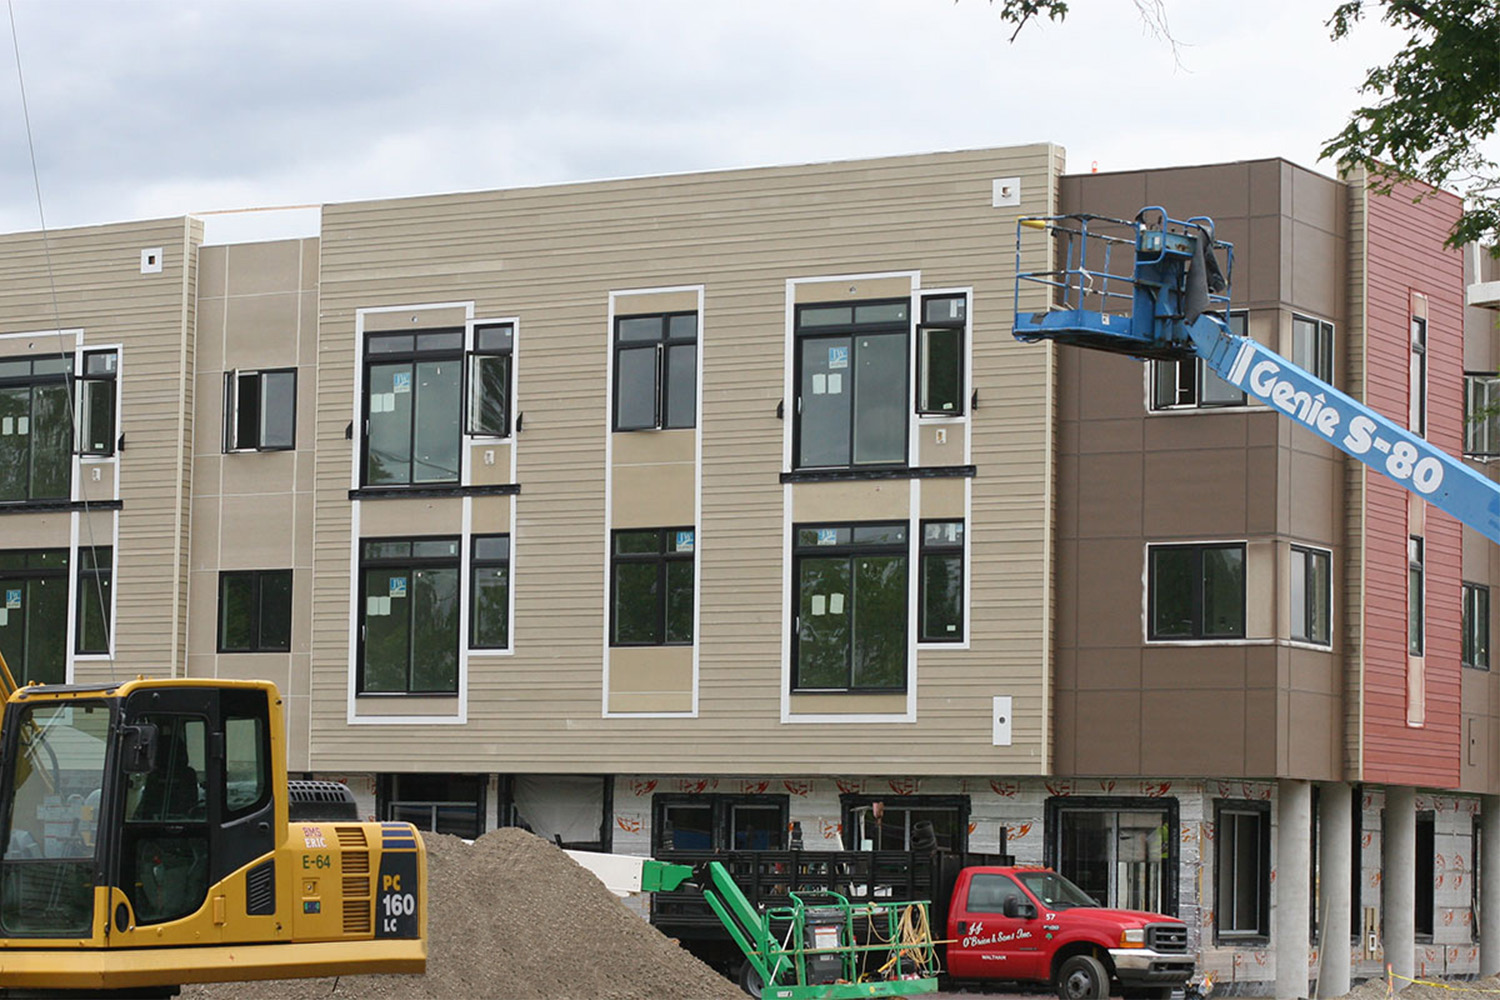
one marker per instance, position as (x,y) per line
(1391,977)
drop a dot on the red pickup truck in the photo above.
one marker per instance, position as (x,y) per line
(1032,925)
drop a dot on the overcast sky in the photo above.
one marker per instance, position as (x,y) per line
(144,109)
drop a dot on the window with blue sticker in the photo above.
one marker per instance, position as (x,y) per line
(413,393)
(408,616)
(34,621)
(651,587)
(851,407)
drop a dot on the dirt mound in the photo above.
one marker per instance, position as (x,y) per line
(512,916)
(1447,989)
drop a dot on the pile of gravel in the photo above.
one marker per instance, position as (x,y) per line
(513,916)
(1428,989)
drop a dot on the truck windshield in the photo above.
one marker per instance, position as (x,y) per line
(56,776)
(1054,891)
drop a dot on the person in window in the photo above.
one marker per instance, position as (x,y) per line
(170,791)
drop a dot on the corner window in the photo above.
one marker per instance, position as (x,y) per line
(95,599)
(1417,378)
(1416,595)
(488,410)
(96,403)
(34,615)
(1312,346)
(489,616)
(408,616)
(255,611)
(1482,414)
(1476,627)
(942,598)
(940,355)
(1189,384)
(260,410)
(412,394)
(1311,595)
(1242,869)
(36,430)
(851,407)
(656,371)
(718,822)
(651,589)
(850,607)
(1197,591)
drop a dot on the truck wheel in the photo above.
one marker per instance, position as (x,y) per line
(1082,977)
(750,980)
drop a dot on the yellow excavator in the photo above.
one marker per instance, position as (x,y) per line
(151,839)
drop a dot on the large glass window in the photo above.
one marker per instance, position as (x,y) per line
(255,611)
(656,371)
(1312,346)
(34,614)
(1416,596)
(711,822)
(1311,597)
(1189,384)
(906,822)
(408,616)
(651,573)
(95,599)
(412,402)
(489,381)
(489,590)
(1122,852)
(36,432)
(96,403)
(1197,591)
(851,384)
(942,597)
(1476,626)
(1242,869)
(850,607)
(940,355)
(260,410)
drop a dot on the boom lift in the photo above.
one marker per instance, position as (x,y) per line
(1178,297)
(148,844)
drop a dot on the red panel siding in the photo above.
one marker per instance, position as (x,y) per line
(1406,257)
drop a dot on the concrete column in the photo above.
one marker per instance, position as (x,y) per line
(1489,885)
(1335,862)
(1293,886)
(1398,882)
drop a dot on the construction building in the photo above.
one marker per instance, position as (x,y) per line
(722,510)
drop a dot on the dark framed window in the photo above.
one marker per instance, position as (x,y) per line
(1475,650)
(850,607)
(1312,346)
(96,403)
(454,804)
(1242,870)
(487,413)
(1416,595)
(1476,834)
(36,429)
(712,822)
(905,822)
(1417,381)
(1424,910)
(1197,591)
(1356,861)
(412,402)
(656,371)
(408,616)
(1312,595)
(1482,414)
(1123,851)
(1190,384)
(260,410)
(940,354)
(255,611)
(34,614)
(851,407)
(941,617)
(651,587)
(95,599)
(489,592)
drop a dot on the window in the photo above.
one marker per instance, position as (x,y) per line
(1476,627)
(1242,869)
(96,403)
(656,371)
(1189,384)
(489,617)
(651,574)
(851,384)
(1415,596)
(905,823)
(1312,346)
(573,810)
(408,615)
(260,410)
(34,616)
(255,611)
(1197,591)
(940,355)
(719,822)
(850,607)
(1417,389)
(942,560)
(36,432)
(1482,407)
(1423,909)
(1311,598)
(489,381)
(1121,851)
(1476,873)
(412,395)
(443,803)
(94,599)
